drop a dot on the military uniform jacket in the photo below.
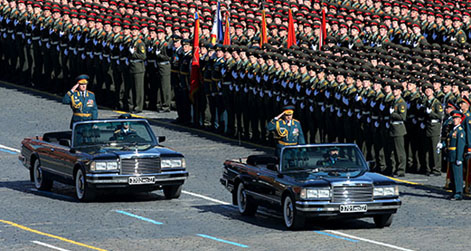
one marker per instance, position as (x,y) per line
(136,59)
(434,118)
(398,117)
(288,134)
(455,144)
(84,107)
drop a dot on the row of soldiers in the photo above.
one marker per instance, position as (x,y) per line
(244,88)
(46,46)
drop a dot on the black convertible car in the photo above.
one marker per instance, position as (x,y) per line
(325,180)
(104,154)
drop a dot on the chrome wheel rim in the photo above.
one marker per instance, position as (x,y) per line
(288,211)
(241,198)
(38,175)
(79,184)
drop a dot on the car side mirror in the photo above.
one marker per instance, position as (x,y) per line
(272,166)
(64,142)
(161,139)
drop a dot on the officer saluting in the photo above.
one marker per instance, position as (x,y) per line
(288,131)
(81,101)
(455,148)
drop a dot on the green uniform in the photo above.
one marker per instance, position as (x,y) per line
(397,130)
(433,124)
(455,150)
(286,133)
(137,69)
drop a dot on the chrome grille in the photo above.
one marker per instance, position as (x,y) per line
(140,165)
(352,193)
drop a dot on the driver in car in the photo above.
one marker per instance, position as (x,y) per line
(331,157)
(124,132)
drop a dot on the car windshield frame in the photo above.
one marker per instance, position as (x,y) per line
(150,138)
(351,161)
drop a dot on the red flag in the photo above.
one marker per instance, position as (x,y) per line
(291,33)
(322,32)
(195,62)
(263,30)
(227,31)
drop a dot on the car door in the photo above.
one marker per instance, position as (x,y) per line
(63,160)
(268,185)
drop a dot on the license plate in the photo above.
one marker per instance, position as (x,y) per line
(353,208)
(141,180)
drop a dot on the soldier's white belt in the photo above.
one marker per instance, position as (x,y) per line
(123,59)
(106,55)
(28,34)
(135,61)
(164,62)
(386,118)
(19,33)
(411,116)
(374,117)
(366,113)
(54,43)
(434,121)
(63,45)
(45,39)
(114,57)
(357,110)
(397,122)
(10,31)
(152,61)
(226,83)
(320,103)
(81,49)
(97,53)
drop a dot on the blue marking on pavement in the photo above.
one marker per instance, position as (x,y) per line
(7,151)
(139,217)
(335,236)
(224,241)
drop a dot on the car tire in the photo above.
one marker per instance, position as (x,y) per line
(40,179)
(291,217)
(83,192)
(244,203)
(172,192)
(383,220)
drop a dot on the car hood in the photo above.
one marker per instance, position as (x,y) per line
(110,152)
(311,179)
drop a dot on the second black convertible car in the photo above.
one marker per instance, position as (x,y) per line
(104,154)
(327,180)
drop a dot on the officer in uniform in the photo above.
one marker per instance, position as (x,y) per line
(137,69)
(455,149)
(81,101)
(397,129)
(433,120)
(288,131)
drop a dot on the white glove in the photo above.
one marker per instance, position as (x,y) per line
(439,145)
(82,56)
(126,61)
(391,110)
(58,48)
(428,110)
(66,52)
(458,162)
(48,45)
(131,49)
(157,52)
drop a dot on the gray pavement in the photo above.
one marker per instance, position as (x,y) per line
(426,221)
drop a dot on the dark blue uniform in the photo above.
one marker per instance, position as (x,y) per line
(287,134)
(84,106)
(456,142)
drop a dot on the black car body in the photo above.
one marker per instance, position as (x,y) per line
(303,183)
(96,155)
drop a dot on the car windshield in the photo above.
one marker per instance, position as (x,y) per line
(324,160)
(119,134)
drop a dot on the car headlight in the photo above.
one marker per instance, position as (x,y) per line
(309,193)
(173,163)
(104,166)
(386,191)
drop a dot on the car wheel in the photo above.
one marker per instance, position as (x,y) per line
(245,205)
(383,220)
(172,192)
(82,191)
(41,181)
(293,220)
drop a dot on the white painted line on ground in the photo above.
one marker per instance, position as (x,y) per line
(49,246)
(206,198)
(9,148)
(368,240)
(331,231)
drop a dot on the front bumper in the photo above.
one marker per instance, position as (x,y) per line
(326,208)
(122,181)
